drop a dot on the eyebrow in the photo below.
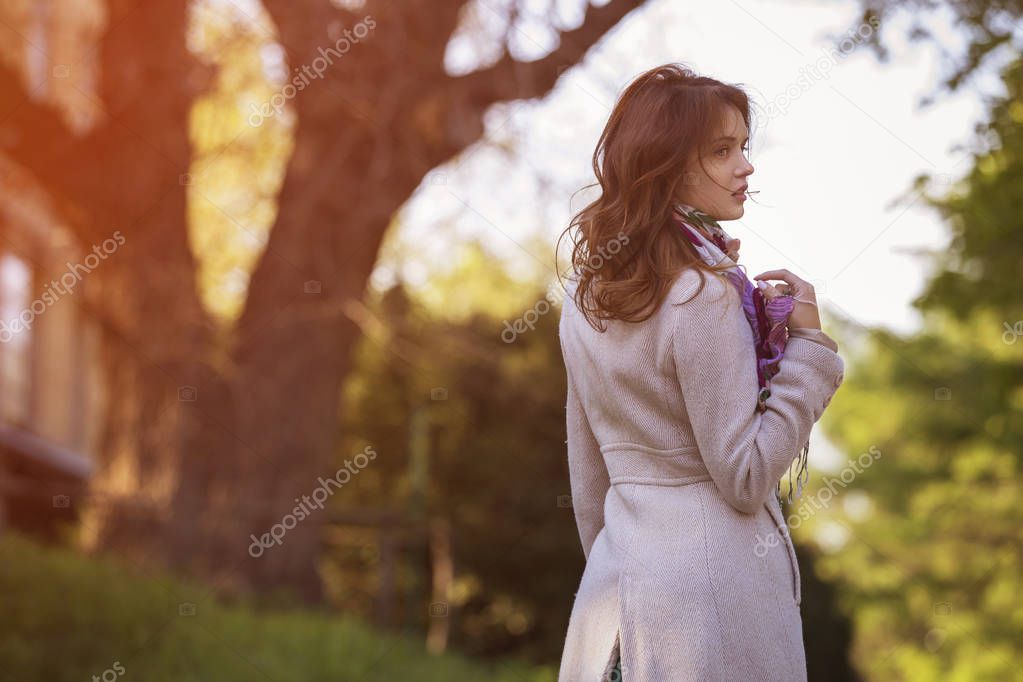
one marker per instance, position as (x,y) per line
(727,137)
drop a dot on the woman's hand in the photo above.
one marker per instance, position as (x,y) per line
(804,309)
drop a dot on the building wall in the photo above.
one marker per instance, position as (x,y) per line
(50,382)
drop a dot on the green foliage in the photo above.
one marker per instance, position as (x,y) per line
(71,618)
(931,564)
(496,455)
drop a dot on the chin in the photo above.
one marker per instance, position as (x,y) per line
(733,213)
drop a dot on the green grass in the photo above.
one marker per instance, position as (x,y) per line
(68,617)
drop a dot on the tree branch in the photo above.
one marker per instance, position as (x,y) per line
(509,79)
(34,135)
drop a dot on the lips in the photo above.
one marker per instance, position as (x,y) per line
(741,190)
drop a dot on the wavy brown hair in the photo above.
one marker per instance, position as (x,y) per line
(628,251)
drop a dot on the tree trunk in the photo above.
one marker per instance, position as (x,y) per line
(212,439)
(132,175)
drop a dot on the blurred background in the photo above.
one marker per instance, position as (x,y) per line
(281,392)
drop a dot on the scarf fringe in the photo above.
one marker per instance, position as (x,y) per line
(802,473)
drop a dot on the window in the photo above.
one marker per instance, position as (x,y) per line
(15,339)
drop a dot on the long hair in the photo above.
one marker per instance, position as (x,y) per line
(628,251)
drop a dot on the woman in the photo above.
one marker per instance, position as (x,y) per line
(690,393)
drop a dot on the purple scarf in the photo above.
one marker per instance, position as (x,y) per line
(768,318)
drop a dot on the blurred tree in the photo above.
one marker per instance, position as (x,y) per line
(927,541)
(218,428)
(498,473)
(983,27)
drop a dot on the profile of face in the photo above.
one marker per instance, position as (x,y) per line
(717,187)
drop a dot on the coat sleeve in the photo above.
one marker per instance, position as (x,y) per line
(814,335)
(587,472)
(746,452)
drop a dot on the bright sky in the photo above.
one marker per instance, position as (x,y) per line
(828,168)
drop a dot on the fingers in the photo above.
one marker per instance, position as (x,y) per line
(781,274)
(770,291)
(794,286)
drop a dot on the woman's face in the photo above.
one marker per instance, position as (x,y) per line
(718,190)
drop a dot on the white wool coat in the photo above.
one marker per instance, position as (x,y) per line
(690,572)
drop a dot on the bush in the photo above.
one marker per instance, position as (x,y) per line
(67,617)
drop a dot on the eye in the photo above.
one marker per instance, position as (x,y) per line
(722,152)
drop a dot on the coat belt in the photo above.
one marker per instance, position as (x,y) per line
(636,463)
